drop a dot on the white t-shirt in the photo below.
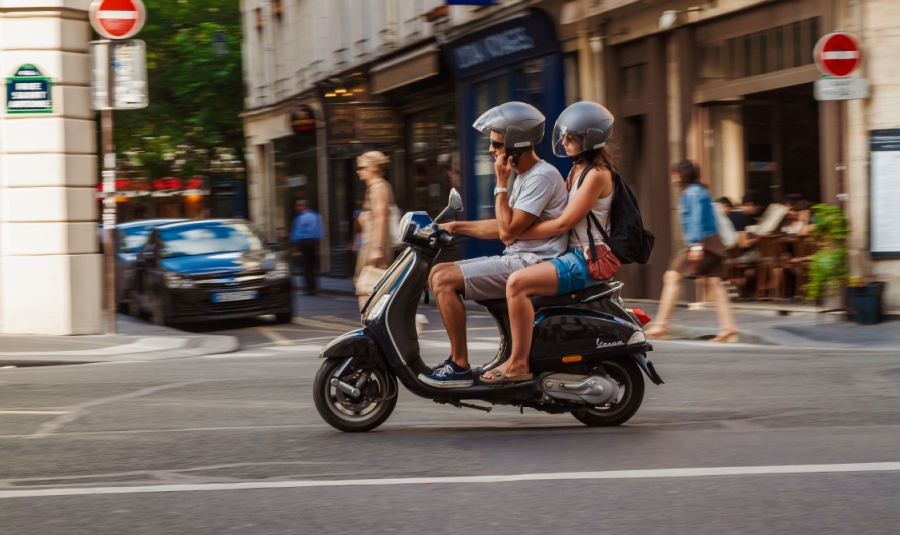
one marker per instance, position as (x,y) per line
(540,192)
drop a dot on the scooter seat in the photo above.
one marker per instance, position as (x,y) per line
(569,298)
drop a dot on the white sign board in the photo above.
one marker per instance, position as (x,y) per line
(884,222)
(125,62)
(841,88)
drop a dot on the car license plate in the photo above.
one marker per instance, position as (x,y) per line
(234,296)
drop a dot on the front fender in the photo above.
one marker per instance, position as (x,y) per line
(354,344)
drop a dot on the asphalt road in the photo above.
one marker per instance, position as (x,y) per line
(742,439)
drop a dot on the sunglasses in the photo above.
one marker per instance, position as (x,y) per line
(497,144)
(570,138)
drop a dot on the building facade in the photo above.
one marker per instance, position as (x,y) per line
(727,83)
(50,269)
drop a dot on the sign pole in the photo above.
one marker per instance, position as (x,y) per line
(109,206)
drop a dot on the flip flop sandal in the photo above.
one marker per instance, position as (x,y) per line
(498,376)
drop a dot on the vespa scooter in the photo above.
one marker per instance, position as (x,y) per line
(588,351)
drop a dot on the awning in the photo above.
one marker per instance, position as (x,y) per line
(405,69)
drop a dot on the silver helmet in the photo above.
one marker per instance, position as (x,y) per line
(522,125)
(588,124)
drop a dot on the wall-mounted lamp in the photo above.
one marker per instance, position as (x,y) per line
(670,16)
(596,43)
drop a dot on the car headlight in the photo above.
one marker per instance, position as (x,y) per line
(282,270)
(174,280)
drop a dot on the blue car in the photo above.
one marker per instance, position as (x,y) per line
(209,269)
(130,238)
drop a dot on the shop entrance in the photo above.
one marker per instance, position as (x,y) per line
(767,146)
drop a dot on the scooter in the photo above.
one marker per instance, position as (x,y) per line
(588,355)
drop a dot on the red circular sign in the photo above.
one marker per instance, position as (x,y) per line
(838,54)
(117,19)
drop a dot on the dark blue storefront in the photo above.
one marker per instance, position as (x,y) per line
(518,59)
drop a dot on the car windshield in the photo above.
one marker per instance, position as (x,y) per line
(209,239)
(132,239)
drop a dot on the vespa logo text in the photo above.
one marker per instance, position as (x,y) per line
(492,47)
(601,344)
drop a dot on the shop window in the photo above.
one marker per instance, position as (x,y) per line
(432,157)
(758,53)
(797,38)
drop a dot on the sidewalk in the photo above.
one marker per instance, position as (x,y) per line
(135,340)
(760,323)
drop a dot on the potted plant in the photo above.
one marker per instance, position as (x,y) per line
(828,268)
(829,272)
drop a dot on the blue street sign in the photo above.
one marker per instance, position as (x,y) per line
(28,91)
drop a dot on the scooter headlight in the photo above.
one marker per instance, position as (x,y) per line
(637,338)
(376,309)
(404,224)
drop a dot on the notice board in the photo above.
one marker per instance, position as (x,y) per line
(884,193)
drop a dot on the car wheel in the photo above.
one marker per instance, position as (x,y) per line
(158,314)
(284,317)
(132,307)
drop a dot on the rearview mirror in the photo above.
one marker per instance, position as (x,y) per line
(454,204)
(455,201)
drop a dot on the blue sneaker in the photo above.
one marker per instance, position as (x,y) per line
(441,364)
(451,375)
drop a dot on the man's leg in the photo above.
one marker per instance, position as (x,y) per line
(309,265)
(447,284)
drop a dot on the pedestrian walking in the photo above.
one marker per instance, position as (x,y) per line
(306,235)
(701,256)
(376,251)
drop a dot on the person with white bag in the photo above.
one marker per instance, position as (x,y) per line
(378,238)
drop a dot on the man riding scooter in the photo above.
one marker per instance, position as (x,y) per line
(538,194)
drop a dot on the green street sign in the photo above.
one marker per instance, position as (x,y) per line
(28,91)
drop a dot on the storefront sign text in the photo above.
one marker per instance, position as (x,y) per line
(493,47)
(348,123)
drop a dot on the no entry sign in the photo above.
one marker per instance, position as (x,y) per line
(117,19)
(838,54)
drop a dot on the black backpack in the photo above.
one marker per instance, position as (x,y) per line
(627,237)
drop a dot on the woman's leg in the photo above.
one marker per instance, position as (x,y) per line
(728,329)
(671,290)
(539,279)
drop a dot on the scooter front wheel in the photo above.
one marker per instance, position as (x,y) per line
(342,409)
(626,373)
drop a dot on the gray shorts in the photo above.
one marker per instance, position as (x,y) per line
(486,277)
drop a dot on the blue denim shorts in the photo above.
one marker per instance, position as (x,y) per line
(572,271)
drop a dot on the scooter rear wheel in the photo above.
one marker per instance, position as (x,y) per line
(626,373)
(343,411)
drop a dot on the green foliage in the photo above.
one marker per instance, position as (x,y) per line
(195,95)
(828,270)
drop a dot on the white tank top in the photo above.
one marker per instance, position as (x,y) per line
(601,212)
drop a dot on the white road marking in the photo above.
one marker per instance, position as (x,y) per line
(257,354)
(554,476)
(299,347)
(33,412)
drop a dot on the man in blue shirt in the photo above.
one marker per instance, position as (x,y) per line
(305,235)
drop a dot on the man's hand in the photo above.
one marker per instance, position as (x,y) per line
(450,227)
(503,169)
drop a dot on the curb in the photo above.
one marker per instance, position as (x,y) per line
(139,349)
